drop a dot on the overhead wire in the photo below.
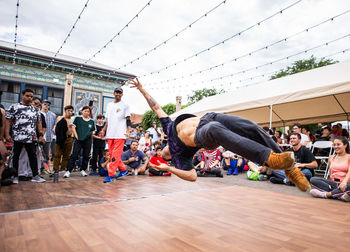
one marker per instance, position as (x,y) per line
(114,36)
(254,51)
(16,30)
(271,62)
(223,41)
(287,57)
(171,37)
(68,35)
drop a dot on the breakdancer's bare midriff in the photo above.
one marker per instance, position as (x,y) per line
(186,130)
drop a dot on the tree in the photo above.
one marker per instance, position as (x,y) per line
(303,65)
(201,93)
(150,116)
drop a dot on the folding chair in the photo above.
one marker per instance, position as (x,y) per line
(326,146)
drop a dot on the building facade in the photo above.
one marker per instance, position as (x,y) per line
(26,67)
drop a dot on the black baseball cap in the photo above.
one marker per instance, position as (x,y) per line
(118,89)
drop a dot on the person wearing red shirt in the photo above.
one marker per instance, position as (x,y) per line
(155,161)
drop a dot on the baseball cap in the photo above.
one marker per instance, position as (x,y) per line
(47,101)
(118,89)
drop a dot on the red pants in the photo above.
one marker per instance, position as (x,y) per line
(115,147)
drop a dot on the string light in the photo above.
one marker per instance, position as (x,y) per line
(171,37)
(275,61)
(255,51)
(15,40)
(116,35)
(68,35)
(270,63)
(221,42)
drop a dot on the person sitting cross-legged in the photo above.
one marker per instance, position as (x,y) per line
(155,161)
(133,159)
(210,164)
(338,187)
(233,162)
(103,164)
(304,160)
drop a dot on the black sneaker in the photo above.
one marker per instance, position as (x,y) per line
(275,180)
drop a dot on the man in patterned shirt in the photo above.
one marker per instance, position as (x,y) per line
(24,120)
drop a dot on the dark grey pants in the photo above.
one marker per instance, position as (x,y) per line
(329,186)
(236,134)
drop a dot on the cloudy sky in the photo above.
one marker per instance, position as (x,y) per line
(45,24)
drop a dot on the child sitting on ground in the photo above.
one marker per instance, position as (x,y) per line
(103,164)
(155,161)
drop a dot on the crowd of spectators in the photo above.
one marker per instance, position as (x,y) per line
(34,142)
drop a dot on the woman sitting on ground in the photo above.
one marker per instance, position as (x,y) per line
(155,161)
(145,143)
(339,184)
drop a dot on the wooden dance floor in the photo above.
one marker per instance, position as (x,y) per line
(166,214)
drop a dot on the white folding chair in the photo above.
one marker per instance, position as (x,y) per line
(323,145)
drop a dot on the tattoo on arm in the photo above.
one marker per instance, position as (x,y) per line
(151,102)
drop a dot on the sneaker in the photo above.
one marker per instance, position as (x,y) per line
(83,173)
(166,174)
(93,173)
(38,179)
(108,179)
(121,174)
(317,193)
(136,172)
(280,161)
(345,197)
(297,177)
(262,177)
(275,180)
(66,174)
(229,172)
(15,180)
(151,174)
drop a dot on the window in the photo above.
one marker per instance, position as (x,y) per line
(55,96)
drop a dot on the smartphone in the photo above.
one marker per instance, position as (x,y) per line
(91,102)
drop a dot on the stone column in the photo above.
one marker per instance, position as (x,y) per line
(68,90)
(178,103)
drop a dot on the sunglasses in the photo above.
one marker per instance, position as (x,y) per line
(37,103)
(48,104)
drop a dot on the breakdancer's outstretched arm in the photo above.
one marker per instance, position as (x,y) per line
(189,175)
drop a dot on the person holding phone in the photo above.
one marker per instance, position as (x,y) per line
(338,187)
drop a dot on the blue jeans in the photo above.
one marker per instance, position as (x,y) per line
(281,174)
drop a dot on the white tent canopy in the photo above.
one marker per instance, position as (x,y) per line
(318,95)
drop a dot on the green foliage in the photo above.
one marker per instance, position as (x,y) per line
(201,93)
(303,65)
(150,116)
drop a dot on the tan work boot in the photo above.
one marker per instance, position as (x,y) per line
(297,177)
(280,161)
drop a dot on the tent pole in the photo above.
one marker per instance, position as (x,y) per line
(270,116)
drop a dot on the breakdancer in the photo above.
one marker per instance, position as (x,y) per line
(188,133)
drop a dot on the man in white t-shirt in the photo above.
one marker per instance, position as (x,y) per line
(116,130)
(304,138)
(155,132)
